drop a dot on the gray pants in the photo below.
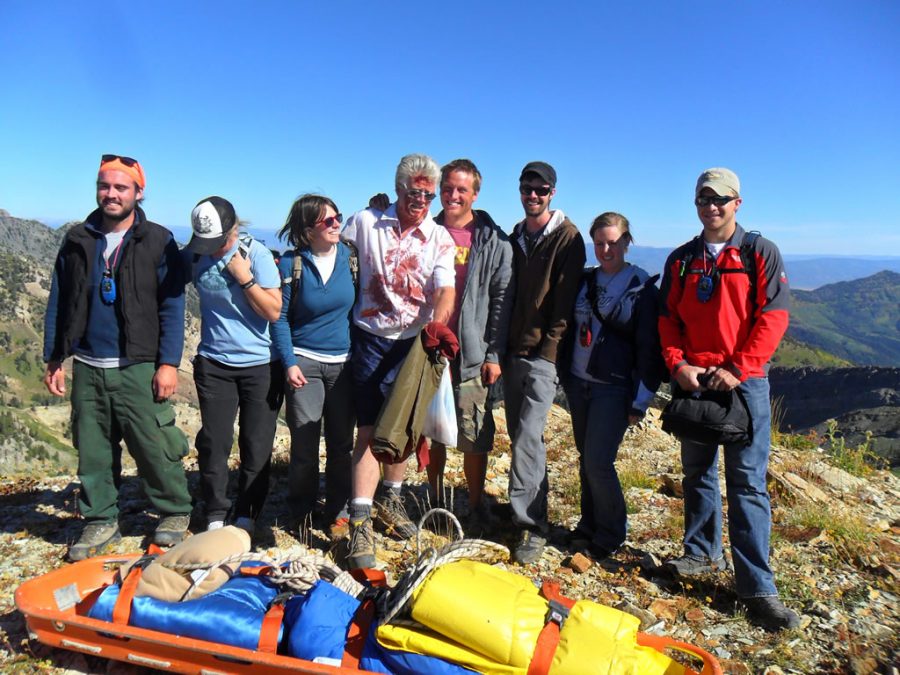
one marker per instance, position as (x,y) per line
(529,387)
(327,398)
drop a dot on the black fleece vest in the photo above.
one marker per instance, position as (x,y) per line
(137,299)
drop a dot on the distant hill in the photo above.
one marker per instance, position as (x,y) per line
(811,273)
(793,353)
(855,320)
(29,237)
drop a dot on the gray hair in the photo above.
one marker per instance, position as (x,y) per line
(415,165)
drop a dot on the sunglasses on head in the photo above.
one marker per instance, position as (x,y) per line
(539,190)
(331,221)
(717,200)
(127,161)
(420,195)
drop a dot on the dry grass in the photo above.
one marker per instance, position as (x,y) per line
(851,537)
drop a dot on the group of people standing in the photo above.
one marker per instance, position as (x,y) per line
(328,329)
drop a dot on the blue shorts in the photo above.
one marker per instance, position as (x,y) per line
(376,362)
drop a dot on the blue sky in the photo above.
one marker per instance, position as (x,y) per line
(260,102)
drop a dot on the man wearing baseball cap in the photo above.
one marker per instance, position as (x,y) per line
(548,260)
(724,309)
(117,306)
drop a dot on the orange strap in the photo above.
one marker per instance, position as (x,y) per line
(548,639)
(362,619)
(268,631)
(257,571)
(122,609)
(356,635)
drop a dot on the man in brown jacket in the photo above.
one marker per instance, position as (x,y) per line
(548,259)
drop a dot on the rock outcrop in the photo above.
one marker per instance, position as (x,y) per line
(859,399)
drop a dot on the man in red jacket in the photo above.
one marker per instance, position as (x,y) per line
(722,316)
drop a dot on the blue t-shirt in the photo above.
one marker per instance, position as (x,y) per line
(231,332)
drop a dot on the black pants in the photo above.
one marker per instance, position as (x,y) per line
(222,389)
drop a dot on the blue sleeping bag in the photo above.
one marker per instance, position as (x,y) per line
(239,604)
(316,627)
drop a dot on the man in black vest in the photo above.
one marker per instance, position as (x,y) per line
(117,305)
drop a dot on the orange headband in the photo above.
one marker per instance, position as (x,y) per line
(125,165)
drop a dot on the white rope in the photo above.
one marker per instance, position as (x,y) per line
(430,559)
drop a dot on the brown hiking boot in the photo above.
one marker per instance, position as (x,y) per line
(391,514)
(171,530)
(94,538)
(362,543)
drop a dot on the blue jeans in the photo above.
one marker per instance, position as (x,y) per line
(529,385)
(749,511)
(599,420)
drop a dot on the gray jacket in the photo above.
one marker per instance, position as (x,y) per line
(487,298)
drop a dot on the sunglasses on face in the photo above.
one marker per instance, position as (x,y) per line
(539,190)
(127,161)
(717,200)
(331,221)
(420,195)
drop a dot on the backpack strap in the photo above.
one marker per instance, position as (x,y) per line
(748,262)
(296,274)
(590,281)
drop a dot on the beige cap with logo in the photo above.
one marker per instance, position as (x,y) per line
(724,182)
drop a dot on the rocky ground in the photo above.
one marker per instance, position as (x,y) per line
(835,550)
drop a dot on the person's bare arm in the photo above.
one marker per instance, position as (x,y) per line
(444,297)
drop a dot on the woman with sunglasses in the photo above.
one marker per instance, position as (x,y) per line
(312,336)
(610,371)
(236,368)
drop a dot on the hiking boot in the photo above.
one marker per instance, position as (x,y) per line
(769,613)
(391,515)
(171,530)
(94,538)
(688,567)
(339,529)
(362,543)
(530,548)
(577,539)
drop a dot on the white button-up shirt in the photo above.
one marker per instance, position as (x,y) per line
(398,276)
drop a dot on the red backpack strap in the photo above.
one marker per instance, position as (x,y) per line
(548,639)
(122,609)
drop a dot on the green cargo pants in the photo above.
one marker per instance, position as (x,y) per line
(110,405)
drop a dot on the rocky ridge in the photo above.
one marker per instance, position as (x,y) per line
(836,553)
